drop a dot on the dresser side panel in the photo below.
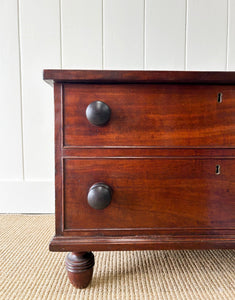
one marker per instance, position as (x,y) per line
(58,100)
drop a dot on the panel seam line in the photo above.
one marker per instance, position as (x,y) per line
(21,91)
(60,17)
(186,35)
(227,36)
(144,36)
(102,28)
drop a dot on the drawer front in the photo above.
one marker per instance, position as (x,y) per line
(151,193)
(152,115)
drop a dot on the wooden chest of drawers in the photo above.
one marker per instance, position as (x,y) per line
(143,160)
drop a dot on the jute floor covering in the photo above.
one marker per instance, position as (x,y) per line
(29,271)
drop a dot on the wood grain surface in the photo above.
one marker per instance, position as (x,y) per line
(158,115)
(151,193)
(119,76)
(167,136)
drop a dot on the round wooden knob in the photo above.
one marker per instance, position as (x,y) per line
(98,113)
(99,195)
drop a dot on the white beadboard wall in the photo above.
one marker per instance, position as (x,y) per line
(89,34)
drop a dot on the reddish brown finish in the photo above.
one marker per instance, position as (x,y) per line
(58,158)
(157,115)
(151,193)
(107,76)
(158,153)
(79,266)
(150,242)
(147,152)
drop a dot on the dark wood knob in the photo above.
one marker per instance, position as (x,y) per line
(98,113)
(99,195)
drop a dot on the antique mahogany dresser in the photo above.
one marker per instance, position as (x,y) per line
(143,160)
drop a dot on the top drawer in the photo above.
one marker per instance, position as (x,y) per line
(151,115)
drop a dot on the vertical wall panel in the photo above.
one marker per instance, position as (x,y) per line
(207,35)
(27,197)
(81,34)
(165,34)
(123,34)
(40,49)
(231,36)
(10,101)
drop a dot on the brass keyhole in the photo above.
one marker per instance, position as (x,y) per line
(217,170)
(219,97)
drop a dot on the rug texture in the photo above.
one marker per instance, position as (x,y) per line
(29,271)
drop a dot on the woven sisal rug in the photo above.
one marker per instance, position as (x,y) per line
(29,271)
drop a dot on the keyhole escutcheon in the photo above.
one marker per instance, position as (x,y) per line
(220,97)
(217,170)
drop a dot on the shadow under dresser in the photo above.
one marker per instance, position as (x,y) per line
(143,160)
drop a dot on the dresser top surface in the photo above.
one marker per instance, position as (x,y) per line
(121,76)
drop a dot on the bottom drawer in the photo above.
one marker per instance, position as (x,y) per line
(151,193)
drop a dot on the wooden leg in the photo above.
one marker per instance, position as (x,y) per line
(79,266)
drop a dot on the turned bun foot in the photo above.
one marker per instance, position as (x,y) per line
(79,266)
